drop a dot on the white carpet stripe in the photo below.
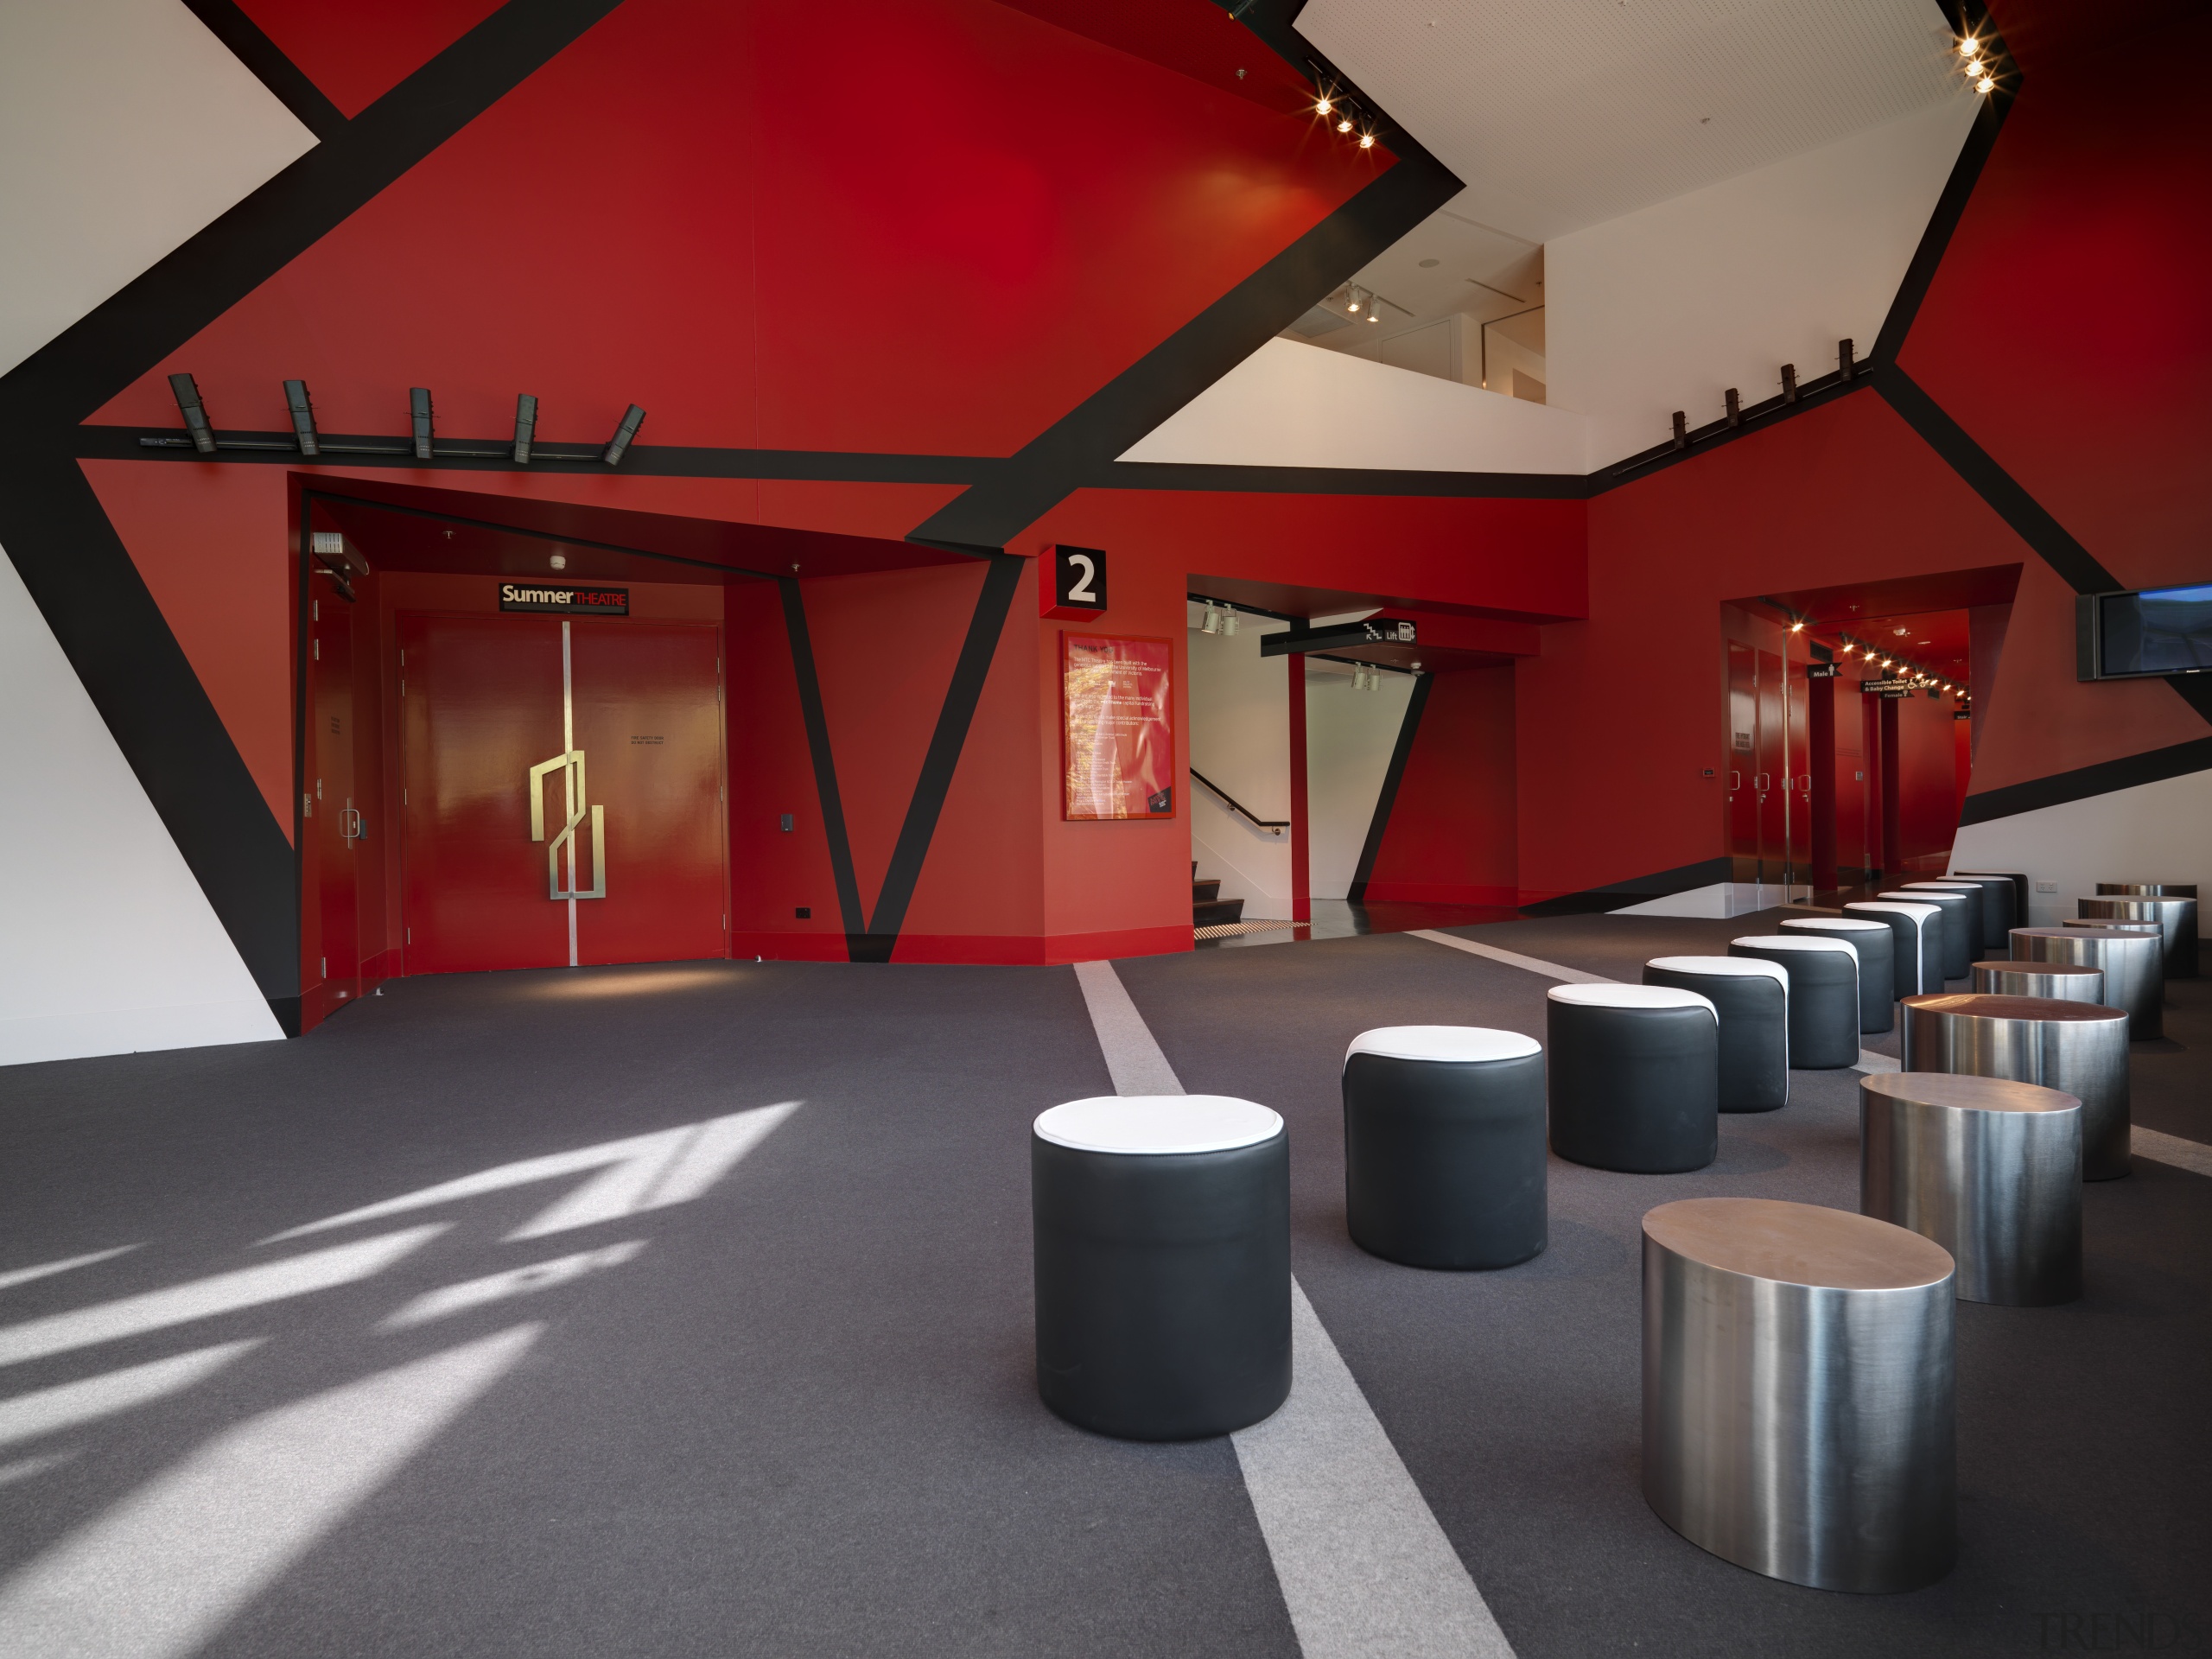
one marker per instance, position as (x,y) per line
(1365,1570)
(1512,958)
(2192,1155)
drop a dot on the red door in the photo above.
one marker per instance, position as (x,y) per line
(1771,758)
(1741,761)
(614,715)
(334,819)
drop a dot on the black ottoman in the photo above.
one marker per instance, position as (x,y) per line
(1162,1226)
(1961,923)
(1752,1001)
(1999,909)
(1875,948)
(1915,942)
(1634,1078)
(1823,995)
(1444,1146)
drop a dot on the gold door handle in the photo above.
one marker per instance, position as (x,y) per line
(571,761)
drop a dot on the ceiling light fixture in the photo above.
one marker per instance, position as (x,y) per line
(1344,124)
(1970,47)
(1367,141)
(1987,83)
(1322,105)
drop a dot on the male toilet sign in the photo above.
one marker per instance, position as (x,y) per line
(1071,581)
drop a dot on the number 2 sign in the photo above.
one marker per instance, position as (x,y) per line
(1075,585)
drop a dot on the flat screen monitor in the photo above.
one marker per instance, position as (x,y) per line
(2134,636)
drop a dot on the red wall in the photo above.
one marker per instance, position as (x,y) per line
(1451,834)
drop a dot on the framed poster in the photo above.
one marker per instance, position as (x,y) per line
(1117,727)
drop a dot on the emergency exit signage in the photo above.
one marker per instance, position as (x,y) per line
(557,600)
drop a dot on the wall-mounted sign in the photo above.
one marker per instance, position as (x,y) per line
(563,601)
(1887,688)
(1117,724)
(1074,583)
(1820,671)
(1375,631)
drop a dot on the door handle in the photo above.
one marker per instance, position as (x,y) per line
(349,821)
(1735,779)
(1762,780)
(570,763)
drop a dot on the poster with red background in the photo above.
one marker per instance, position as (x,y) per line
(1117,727)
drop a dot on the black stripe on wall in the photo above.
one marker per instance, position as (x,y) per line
(957,714)
(1614,895)
(2130,772)
(283,78)
(1408,728)
(825,763)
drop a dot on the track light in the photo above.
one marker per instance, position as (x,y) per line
(1985,85)
(1211,622)
(186,390)
(620,443)
(303,413)
(1344,124)
(1367,141)
(525,426)
(418,409)
(1229,621)
(1969,48)
(1323,105)
(1796,627)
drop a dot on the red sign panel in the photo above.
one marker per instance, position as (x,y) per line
(1117,727)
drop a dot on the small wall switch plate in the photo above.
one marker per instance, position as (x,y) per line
(2046,886)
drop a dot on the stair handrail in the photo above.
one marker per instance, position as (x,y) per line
(1273,826)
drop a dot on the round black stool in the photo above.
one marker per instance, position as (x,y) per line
(1444,1146)
(1634,1082)
(1823,995)
(1162,1226)
(1915,942)
(1752,1002)
(1875,946)
(1961,922)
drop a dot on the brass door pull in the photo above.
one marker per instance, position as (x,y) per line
(572,761)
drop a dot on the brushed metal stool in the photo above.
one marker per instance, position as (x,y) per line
(1798,1391)
(2077,1048)
(2067,981)
(2134,965)
(1989,1168)
(2176,916)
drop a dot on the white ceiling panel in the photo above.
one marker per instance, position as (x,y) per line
(125,128)
(1564,113)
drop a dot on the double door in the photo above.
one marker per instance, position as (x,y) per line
(563,797)
(1768,773)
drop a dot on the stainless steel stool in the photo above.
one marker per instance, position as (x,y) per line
(2134,965)
(1798,1393)
(2078,1048)
(1962,908)
(2176,916)
(1988,1169)
(2067,981)
(1917,941)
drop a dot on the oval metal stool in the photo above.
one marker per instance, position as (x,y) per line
(1876,947)
(1162,1238)
(1798,1391)
(2077,1048)
(2063,982)
(1915,939)
(1989,1168)
(1444,1146)
(2176,916)
(2132,963)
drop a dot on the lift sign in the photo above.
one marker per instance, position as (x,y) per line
(564,601)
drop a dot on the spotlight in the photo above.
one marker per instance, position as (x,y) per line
(1229,623)
(559,562)
(1211,622)
(1344,124)
(526,426)
(186,390)
(634,419)
(1969,48)
(1796,627)
(1374,316)
(1323,105)
(295,400)
(418,407)
(1367,141)
(1987,83)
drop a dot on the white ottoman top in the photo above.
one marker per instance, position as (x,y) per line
(1835,924)
(1158,1124)
(1918,896)
(1741,967)
(1795,942)
(1946,882)
(1919,912)
(1631,996)
(1443,1043)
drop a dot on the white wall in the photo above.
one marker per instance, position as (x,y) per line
(1240,737)
(1665,307)
(107,944)
(1349,738)
(125,128)
(1295,406)
(2156,832)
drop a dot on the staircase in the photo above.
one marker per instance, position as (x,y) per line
(1208,907)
